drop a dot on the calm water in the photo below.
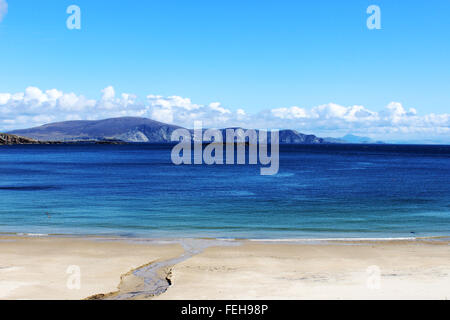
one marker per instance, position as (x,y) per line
(134,190)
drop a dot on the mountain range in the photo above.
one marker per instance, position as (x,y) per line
(129,129)
(350,138)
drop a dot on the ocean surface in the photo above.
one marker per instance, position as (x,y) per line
(321,191)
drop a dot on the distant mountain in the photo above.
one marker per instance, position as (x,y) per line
(285,137)
(334,140)
(350,138)
(130,129)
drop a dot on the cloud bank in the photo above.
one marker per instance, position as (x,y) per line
(36,107)
(3,9)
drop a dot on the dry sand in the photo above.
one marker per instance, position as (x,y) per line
(408,270)
(35,268)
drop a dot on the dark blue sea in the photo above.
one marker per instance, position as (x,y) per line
(321,191)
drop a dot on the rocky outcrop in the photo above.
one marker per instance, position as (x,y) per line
(10,139)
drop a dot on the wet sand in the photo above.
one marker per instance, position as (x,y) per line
(36,268)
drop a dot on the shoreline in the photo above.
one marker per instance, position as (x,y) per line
(34,267)
(263,240)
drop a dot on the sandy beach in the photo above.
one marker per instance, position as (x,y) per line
(45,267)
(408,270)
(41,267)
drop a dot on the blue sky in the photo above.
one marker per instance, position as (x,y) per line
(248,55)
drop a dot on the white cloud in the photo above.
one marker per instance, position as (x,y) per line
(289,113)
(35,107)
(3,9)
(217,107)
(4,98)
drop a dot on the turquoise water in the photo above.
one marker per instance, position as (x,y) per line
(322,191)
